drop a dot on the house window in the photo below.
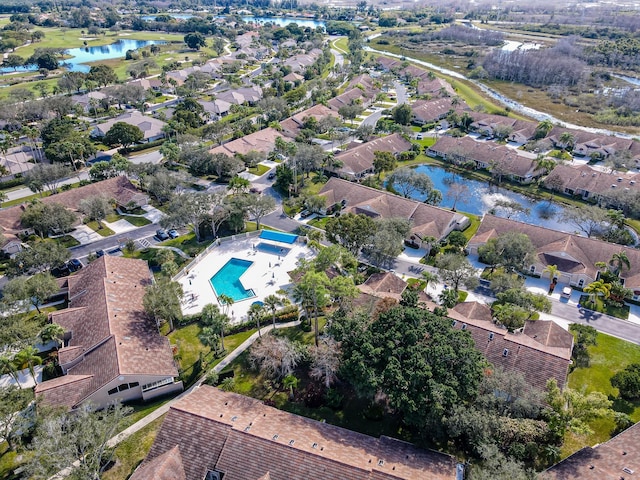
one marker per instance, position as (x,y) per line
(123,387)
(213,475)
(454,323)
(491,336)
(464,326)
(157,384)
(505,352)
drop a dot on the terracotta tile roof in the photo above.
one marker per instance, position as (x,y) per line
(119,188)
(426,220)
(359,159)
(575,253)
(260,141)
(247,440)
(542,351)
(615,459)
(109,327)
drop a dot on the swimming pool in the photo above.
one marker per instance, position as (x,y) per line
(278,236)
(226,281)
(272,249)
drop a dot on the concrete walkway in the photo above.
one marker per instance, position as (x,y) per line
(126,433)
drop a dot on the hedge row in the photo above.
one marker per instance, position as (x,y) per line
(286,314)
(140,147)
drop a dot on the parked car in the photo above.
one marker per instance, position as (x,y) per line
(161,234)
(419,136)
(100,253)
(566,292)
(173,233)
(74,265)
(305,214)
(271,175)
(61,271)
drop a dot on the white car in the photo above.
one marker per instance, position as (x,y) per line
(566,292)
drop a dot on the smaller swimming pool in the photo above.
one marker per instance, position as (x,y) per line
(226,281)
(272,249)
(278,236)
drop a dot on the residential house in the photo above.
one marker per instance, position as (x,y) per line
(299,63)
(501,160)
(519,131)
(120,189)
(618,458)
(88,100)
(436,87)
(293,78)
(260,141)
(540,351)
(592,184)
(427,222)
(216,109)
(113,350)
(154,84)
(240,96)
(18,160)
(384,285)
(210,434)
(586,144)
(357,162)
(360,90)
(291,126)
(431,111)
(575,256)
(151,127)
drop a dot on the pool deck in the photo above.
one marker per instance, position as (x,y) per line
(265,277)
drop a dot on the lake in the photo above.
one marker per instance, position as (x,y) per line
(82,55)
(482,197)
(279,21)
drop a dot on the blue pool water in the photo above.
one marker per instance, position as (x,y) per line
(271,248)
(226,281)
(278,236)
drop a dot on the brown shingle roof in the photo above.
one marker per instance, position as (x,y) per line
(586,179)
(575,253)
(542,351)
(167,466)
(360,158)
(245,440)
(384,284)
(614,459)
(426,220)
(260,141)
(109,327)
(293,124)
(119,188)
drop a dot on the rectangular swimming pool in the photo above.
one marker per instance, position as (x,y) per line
(272,249)
(278,236)
(226,281)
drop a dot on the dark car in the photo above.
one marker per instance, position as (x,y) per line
(61,271)
(173,233)
(161,234)
(100,253)
(271,176)
(74,265)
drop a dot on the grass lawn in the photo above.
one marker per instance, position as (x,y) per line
(140,411)
(188,244)
(602,307)
(113,217)
(137,221)
(132,451)
(190,348)
(341,44)
(67,241)
(20,201)
(104,231)
(425,142)
(471,230)
(609,356)
(259,169)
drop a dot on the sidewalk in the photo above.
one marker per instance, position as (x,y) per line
(126,433)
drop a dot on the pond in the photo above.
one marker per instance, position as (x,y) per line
(82,55)
(482,197)
(279,21)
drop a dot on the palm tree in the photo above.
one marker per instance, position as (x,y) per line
(271,303)
(616,217)
(226,301)
(28,358)
(52,331)
(545,163)
(543,128)
(567,140)
(429,277)
(254,313)
(209,338)
(596,289)
(8,367)
(290,382)
(552,270)
(620,261)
